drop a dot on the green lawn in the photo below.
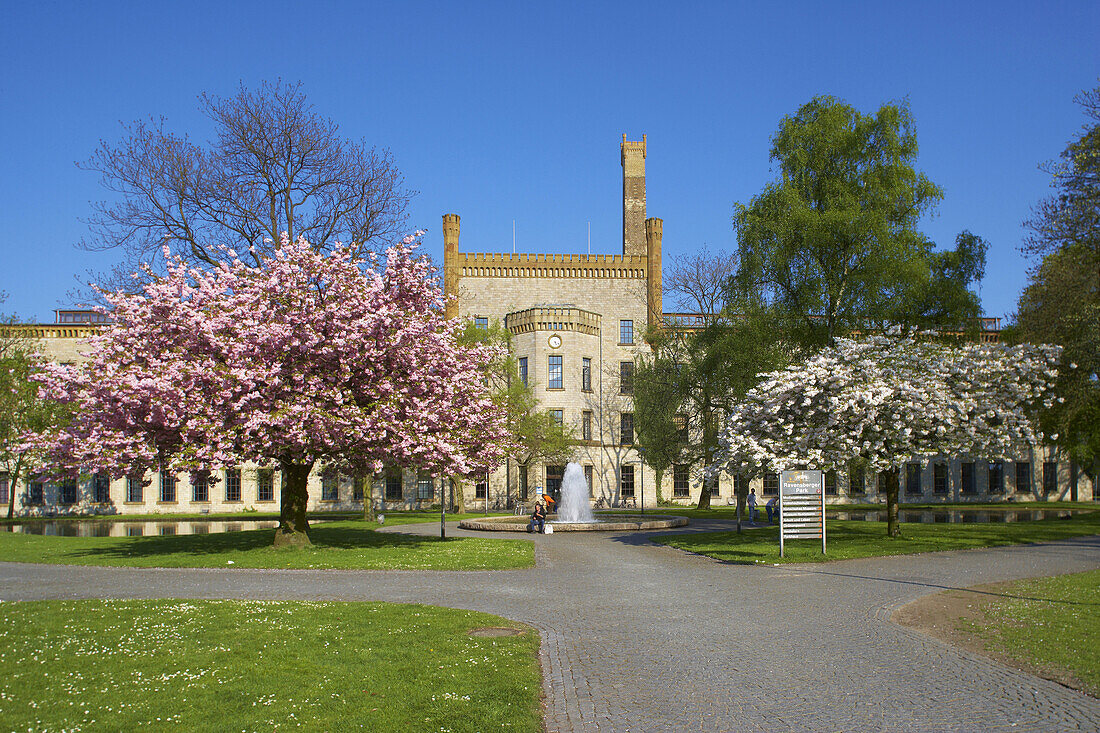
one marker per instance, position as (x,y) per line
(849,539)
(249,665)
(1048,624)
(346,545)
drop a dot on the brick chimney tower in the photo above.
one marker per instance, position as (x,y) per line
(654,294)
(632,154)
(450,264)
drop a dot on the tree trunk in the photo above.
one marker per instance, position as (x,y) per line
(742,494)
(704,496)
(368,496)
(13,481)
(893,485)
(658,476)
(458,496)
(293,526)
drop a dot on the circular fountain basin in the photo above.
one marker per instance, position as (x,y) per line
(604,523)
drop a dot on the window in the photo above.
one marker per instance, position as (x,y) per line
(588,480)
(554,379)
(771,483)
(522,482)
(883,478)
(857,480)
(626,481)
(134,490)
(680,482)
(5,489)
(1050,477)
(939,478)
(481,322)
(626,332)
(912,479)
(996,477)
(740,484)
(101,488)
(830,482)
(167,486)
(558,416)
(711,482)
(523,370)
(425,487)
(265,484)
(330,485)
(35,492)
(626,377)
(586,374)
(393,487)
(358,487)
(586,425)
(1023,478)
(481,487)
(626,428)
(681,421)
(232,484)
(967,484)
(200,488)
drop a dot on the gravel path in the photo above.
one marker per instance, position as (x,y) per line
(641,637)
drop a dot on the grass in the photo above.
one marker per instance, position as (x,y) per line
(250,665)
(342,545)
(848,539)
(1051,625)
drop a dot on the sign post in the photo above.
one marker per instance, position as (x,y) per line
(801,507)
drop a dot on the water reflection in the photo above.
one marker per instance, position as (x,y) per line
(952,516)
(81,528)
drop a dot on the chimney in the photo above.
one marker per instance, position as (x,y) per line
(632,154)
(450,264)
(654,295)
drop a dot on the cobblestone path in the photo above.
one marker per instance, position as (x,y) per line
(640,637)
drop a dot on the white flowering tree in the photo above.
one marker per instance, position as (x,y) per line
(885,401)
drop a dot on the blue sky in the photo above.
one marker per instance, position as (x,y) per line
(514,111)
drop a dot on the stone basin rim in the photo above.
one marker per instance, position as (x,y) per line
(629,523)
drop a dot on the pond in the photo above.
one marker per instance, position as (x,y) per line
(953,516)
(80,528)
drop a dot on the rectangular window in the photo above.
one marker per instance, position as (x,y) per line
(522,482)
(232,484)
(939,478)
(101,488)
(588,480)
(912,479)
(481,322)
(626,481)
(393,487)
(135,492)
(626,377)
(830,483)
(681,421)
(586,425)
(626,429)
(967,484)
(265,484)
(626,333)
(68,491)
(554,378)
(358,487)
(740,484)
(425,487)
(771,483)
(330,485)
(997,477)
(36,492)
(586,374)
(711,482)
(1023,478)
(681,487)
(200,488)
(5,490)
(857,480)
(523,370)
(167,486)
(1050,477)
(558,416)
(481,488)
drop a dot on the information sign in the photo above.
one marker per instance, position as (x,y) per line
(801,507)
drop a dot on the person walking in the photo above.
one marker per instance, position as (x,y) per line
(752,507)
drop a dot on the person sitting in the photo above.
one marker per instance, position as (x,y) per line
(773,509)
(538,517)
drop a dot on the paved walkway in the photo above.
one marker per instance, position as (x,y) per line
(640,637)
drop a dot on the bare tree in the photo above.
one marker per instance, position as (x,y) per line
(698,280)
(274,165)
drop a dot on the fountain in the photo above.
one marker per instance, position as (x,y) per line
(574,497)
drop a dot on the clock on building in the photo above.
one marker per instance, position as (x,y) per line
(555,341)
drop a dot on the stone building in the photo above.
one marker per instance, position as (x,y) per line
(578,324)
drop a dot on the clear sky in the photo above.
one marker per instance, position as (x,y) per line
(513,111)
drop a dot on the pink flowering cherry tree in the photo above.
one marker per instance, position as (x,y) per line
(884,401)
(304,359)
